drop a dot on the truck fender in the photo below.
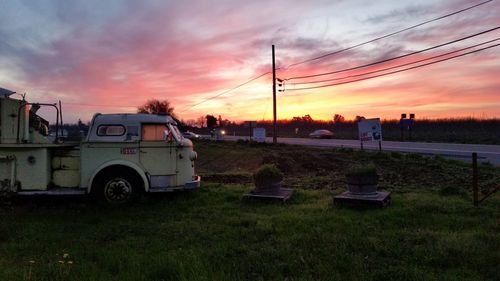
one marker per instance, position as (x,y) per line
(119,163)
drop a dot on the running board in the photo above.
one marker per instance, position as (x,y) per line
(54,191)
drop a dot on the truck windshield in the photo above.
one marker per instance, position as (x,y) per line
(154,132)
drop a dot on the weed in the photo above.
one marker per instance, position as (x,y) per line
(452,190)
(242,141)
(396,155)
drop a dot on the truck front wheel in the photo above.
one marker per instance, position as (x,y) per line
(117,188)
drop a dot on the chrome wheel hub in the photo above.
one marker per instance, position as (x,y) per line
(117,190)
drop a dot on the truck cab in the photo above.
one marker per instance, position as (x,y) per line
(149,147)
(122,155)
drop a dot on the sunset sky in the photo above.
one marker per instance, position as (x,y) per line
(112,56)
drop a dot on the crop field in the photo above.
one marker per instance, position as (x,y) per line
(430,232)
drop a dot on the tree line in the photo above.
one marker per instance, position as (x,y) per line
(465,130)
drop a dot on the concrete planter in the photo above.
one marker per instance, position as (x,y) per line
(268,185)
(362,184)
(267,178)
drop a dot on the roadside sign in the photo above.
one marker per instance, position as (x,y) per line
(370,130)
(406,122)
(259,134)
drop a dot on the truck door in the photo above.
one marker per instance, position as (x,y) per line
(158,155)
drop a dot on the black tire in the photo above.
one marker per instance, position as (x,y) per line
(118,187)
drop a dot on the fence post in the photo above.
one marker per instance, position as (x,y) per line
(475,189)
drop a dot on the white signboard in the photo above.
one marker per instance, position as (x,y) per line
(370,130)
(259,134)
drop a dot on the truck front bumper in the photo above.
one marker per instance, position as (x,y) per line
(194,184)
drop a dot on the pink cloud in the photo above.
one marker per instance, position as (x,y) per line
(121,56)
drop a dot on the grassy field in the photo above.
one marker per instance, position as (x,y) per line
(431,232)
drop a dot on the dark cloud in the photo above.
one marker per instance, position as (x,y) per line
(402,15)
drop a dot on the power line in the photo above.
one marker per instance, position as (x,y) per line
(98,105)
(227,91)
(397,66)
(394,58)
(387,35)
(393,72)
(218,95)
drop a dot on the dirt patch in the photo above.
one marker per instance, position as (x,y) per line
(315,168)
(314,160)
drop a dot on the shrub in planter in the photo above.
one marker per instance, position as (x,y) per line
(267,177)
(362,179)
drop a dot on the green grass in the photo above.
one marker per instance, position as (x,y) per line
(212,234)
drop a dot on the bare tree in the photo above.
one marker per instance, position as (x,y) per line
(359,118)
(201,121)
(191,122)
(155,106)
(211,121)
(337,118)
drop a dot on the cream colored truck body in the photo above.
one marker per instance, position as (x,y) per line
(136,151)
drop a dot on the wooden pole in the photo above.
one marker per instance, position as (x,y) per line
(274,100)
(475,189)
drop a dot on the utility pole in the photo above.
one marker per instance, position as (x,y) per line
(274,100)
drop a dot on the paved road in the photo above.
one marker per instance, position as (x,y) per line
(486,153)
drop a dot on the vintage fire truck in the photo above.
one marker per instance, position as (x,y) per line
(123,155)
